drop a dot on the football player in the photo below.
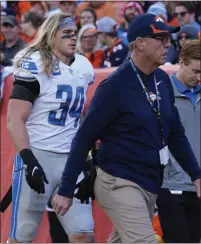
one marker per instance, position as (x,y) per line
(44,111)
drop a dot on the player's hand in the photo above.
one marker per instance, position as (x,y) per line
(197,185)
(61,204)
(34,173)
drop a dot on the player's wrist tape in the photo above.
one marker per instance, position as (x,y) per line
(27,155)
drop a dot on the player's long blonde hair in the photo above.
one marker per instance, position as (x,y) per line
(43,42)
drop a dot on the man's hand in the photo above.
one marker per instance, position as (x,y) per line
(35,176)
(61,204)
(197,185)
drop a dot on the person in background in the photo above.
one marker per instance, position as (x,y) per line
(52,8)
(69,7)
(187,33)
(116,51)
(159,9)
(145,5)
(20,7)
(178,204)
(87,16)
(12,43)
(87,44)
(4,11)
(101,8)
(170,8)
(131,10)
(185,12)
(38,7)
(30,22)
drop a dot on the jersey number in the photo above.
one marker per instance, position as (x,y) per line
(74,111)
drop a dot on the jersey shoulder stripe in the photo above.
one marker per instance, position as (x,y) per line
(31,63)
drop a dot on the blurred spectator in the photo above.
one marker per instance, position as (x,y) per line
(38,7)
(116,51)
(68,7)
(30,23)
(3,4)
(52,8)
(19,7)
(185,13)
(170,7)
(12,43)
(131,10)
(159,9)
(101,8)
(87,16)
(6,11)
(87,44)
(187,33)
(197,11)
(145,5)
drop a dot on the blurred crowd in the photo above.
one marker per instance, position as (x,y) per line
(102,26)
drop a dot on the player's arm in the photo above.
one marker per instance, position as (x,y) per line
(20,104)
(25,91)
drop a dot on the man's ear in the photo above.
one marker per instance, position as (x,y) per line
(181,61)
(140,44)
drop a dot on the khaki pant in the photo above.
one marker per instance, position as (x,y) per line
(129,207)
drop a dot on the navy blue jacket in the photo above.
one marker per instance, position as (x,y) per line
(121,117)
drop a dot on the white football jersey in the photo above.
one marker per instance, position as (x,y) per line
(55,115)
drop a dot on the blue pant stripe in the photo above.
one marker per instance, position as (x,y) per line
(16,189)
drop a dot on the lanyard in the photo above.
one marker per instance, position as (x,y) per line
(157,111)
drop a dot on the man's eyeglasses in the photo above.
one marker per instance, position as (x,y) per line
(186,37)
(182,14)
(164,39)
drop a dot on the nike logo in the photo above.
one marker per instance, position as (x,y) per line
(34,169)
(158,82)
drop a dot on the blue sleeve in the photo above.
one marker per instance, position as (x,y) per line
(102,110)
(179,146)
